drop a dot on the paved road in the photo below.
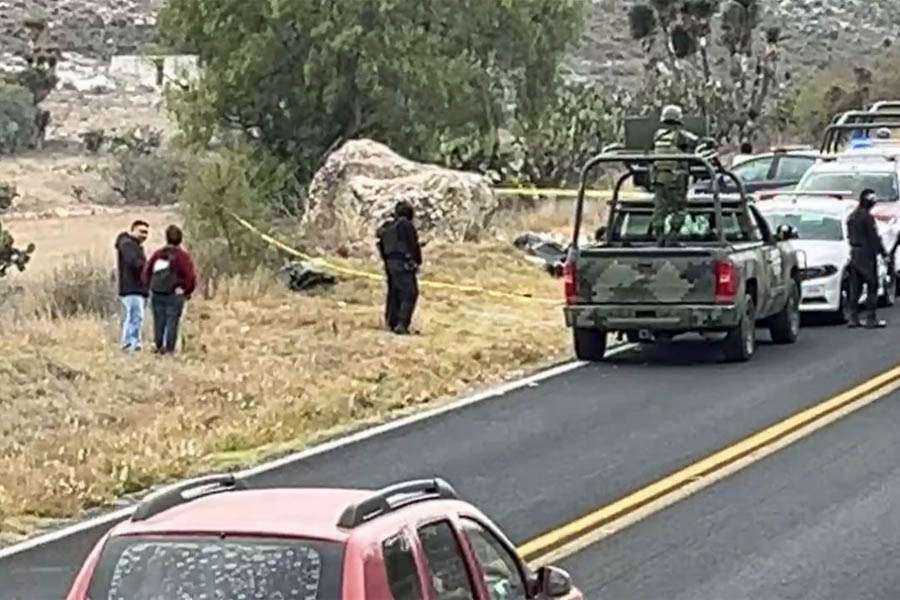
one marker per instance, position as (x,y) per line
(816,521)
(537,458)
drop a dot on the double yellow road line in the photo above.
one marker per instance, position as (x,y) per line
(607,520)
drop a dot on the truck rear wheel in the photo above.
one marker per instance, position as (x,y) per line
(590,344)
(785,326)
(740,343)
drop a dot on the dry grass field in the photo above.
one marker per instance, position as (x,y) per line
(263,370)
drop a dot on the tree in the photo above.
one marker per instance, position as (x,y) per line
(300,77)
(10,256)
(725,79)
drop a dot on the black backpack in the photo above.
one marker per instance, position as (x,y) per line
(164,279)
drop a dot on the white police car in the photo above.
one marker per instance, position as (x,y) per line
(825,251)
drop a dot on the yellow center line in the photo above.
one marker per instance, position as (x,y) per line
(718,461)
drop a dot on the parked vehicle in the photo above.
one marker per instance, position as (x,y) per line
(845,178)
(729,272)
(821,224)
(215,538)
(763,175)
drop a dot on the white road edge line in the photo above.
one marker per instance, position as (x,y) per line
(577,545)
(500,390)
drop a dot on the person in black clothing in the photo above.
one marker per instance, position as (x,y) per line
(130,259)
(865,246)
(398,246)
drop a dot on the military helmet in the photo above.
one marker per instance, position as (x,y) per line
(672,114)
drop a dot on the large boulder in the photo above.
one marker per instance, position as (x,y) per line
(359,184)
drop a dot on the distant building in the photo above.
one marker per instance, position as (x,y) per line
(155,72)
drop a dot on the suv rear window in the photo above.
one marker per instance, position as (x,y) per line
(884,184)
(150,568)
(699,226)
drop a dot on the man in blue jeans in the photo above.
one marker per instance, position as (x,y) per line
(130,261)
(171,278)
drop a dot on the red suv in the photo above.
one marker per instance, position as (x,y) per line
(215,539)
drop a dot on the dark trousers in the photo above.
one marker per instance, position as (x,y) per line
(167,310)
(863,271)
(402,295)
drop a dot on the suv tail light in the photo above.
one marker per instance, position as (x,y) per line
(726,281)
(569,281)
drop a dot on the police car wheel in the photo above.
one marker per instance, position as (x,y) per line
(889,298)
(842,314)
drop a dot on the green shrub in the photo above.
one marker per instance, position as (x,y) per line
(144,174)
(18,118)
(237,181)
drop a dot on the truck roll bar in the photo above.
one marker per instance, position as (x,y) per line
(889,104)
(638,159)
(832,132)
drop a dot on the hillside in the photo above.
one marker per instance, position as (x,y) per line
(820,31)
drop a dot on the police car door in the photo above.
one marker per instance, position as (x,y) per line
(773,261)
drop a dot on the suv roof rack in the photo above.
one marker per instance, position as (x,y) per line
(379,503)
(175,495)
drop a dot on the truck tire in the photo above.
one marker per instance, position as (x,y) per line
(740,343)
(785,326)
(590,344)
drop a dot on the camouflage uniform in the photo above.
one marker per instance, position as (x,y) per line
(670,179)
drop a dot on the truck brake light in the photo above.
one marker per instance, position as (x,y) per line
(569,281)
(726,281)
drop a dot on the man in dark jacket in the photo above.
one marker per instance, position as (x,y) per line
(130,261)
(171,277)
(865,246)
(398,246)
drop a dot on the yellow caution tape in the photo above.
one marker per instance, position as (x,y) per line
(563,193)
(373,276)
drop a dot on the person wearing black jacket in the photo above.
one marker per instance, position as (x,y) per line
(399,248)
(865,246)
(132,292)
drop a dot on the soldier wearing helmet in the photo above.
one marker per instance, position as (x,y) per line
(670,179)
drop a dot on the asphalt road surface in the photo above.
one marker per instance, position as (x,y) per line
(542,456)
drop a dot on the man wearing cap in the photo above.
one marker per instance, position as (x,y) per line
(670,178)
(865,246)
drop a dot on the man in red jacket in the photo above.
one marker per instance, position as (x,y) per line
(171,278)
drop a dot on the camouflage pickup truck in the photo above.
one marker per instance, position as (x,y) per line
(727,274)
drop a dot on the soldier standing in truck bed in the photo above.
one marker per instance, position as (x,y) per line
(399,248)
(670,178)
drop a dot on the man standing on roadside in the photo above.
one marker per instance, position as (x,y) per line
(171,277)
(399,248)
(130,259)
(865,246)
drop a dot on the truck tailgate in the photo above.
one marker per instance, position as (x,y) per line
(644,276)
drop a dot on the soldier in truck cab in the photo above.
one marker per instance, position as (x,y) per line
(670,178)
